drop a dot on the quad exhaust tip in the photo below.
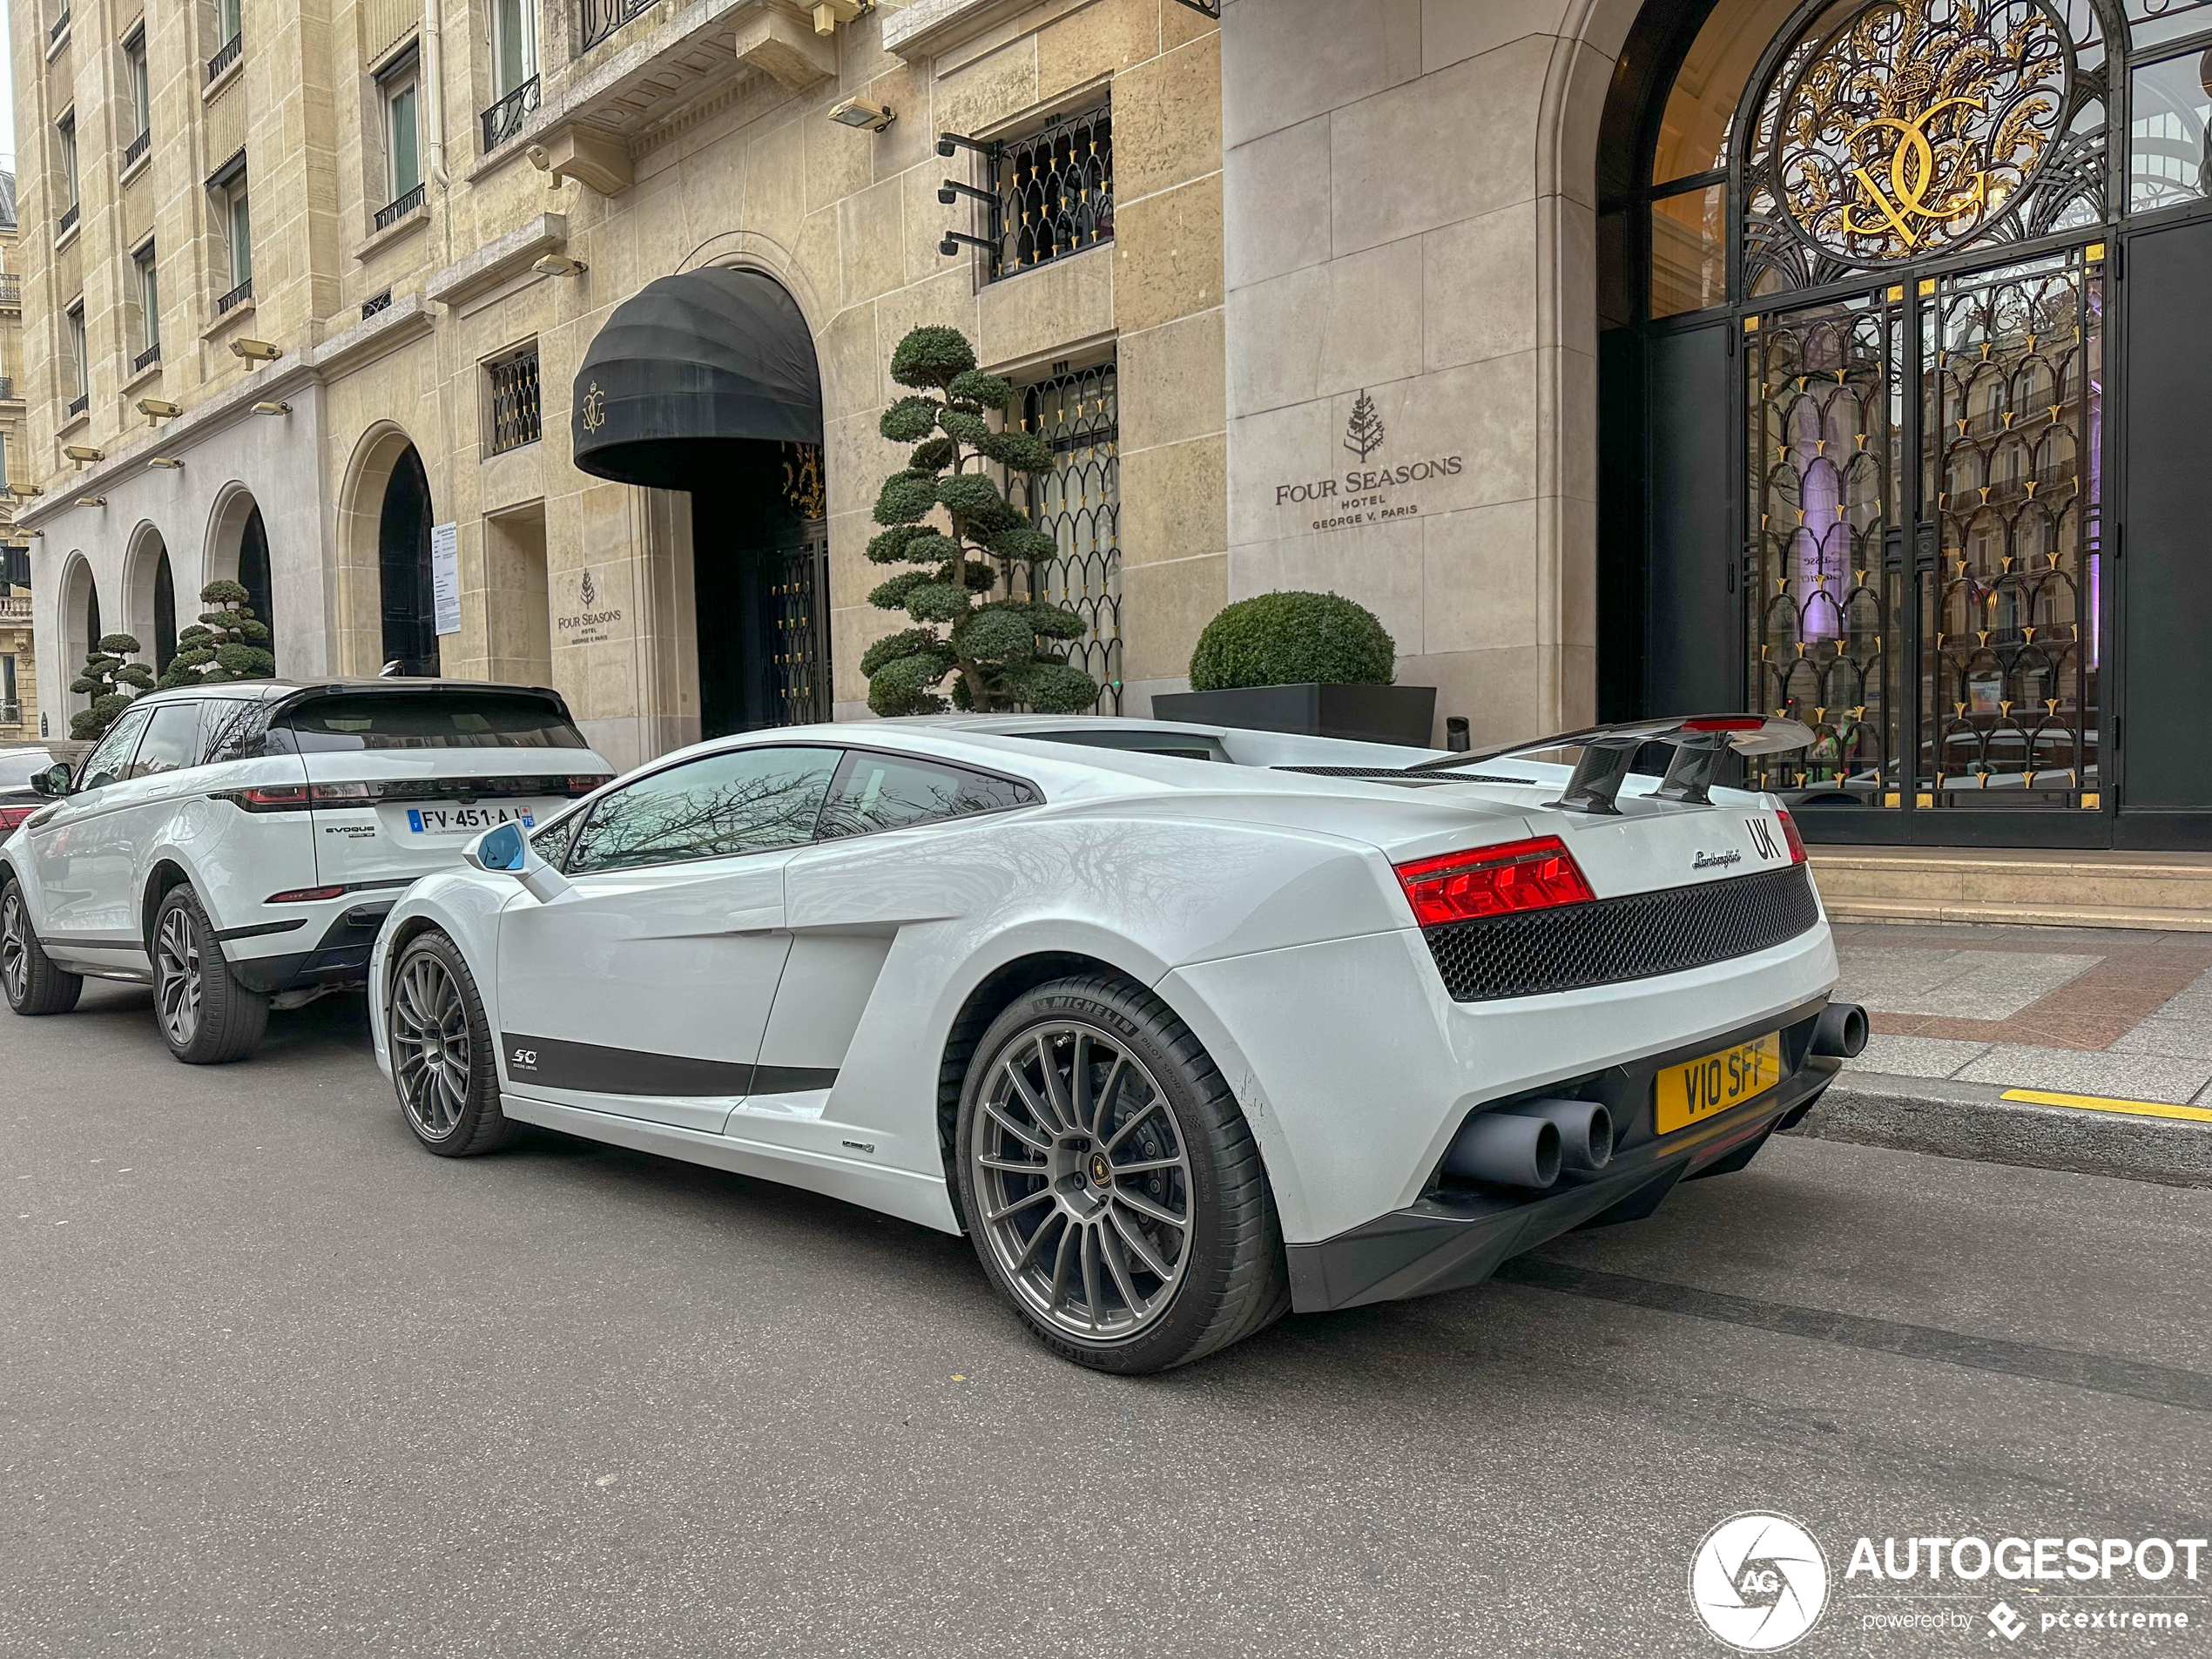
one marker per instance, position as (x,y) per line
(1841,1031)
(1528,1144)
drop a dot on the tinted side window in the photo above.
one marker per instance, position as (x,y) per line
(104,765)
(747,800)
(880,791)
(236,728)
(172,741)
(429,720)
(552,842)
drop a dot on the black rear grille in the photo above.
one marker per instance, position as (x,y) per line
(1638,936)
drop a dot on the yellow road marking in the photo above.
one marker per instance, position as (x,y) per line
(2099,1103)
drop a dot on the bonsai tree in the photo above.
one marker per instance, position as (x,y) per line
(1294,639)
(107,674)
(993,650)
(227,642)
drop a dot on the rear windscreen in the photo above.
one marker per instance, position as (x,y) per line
(429,720)
(1183,746)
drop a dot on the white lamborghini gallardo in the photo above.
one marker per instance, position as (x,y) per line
(1186,1027)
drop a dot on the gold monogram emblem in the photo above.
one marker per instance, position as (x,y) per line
(595,408)
(1904,207)
(1915,124)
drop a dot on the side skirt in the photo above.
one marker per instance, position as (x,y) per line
(921,1199)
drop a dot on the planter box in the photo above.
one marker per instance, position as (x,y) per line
(1402,714)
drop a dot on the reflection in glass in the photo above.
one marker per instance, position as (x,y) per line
(877,793)
(1690,250)
(749,800)
(1694,132)
(2169,132)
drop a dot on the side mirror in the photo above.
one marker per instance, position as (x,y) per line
(53,783)
(504,850)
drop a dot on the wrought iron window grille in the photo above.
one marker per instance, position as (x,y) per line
(60,28)
(511,385)
(7,386)
(68,217)
(1048,194)
(391,212)
(375,303)
(601,18)
(504,120)
(223,59)
(11,288)
(235,298)
(1078,504)
(78,405)
(136,148)
(146,358)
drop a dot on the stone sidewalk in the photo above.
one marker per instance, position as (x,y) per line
(2067,1046)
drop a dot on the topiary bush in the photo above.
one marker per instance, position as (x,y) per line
(111,680)
(1294,639)
(995,651)
(228,643)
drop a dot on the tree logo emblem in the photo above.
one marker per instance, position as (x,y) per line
(590,596)
(1363,434)
(1759,1582)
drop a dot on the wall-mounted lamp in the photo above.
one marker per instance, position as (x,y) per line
(91,501)
(158,409)
(949,142)
(859,112)
(1205,7)
(23,532)
(271,408)
(559,265)
(258,350)
(24,492)
(83,453)
(539,158)
(829,13)
(168,463)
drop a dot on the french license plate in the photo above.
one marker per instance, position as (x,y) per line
(1704,1088)
(444,820)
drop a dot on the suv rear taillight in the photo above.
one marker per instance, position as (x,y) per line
(585,786)
(1494,882)
(1789,834)
(270,797)
(12,817)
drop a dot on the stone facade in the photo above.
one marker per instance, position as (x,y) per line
(1403,216)
(19,673)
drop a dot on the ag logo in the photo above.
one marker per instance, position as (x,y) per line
(595,408)
(1759,1582)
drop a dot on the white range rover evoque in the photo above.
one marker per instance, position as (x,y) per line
(237,845)
(1186,1026)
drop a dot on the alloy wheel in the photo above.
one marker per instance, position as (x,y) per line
(177,978)
(430,1048)
(1083,1182)
(15,947)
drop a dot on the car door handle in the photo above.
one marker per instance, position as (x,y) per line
(756,919)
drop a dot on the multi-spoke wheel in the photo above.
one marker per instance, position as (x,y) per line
(31,982)
(207,1017)
(1112,1187)
(442,1052)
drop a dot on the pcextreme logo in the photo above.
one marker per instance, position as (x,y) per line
(1759,1582)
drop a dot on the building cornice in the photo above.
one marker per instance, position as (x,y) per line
(492,264)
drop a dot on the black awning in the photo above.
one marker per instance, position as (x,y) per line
(687,366)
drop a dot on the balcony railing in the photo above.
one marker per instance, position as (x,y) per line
(146,358)
(68,220)
(78,405)
(516,418)
(391,212)
(60,28)
(10,713)
(375,303)
(235,298)
(223,59)
(504,120)
(11,288)
(603,17)
(136,148)
(7,389)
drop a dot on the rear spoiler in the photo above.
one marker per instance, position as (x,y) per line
(1698,741)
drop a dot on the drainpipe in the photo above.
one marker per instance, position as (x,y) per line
(434,109)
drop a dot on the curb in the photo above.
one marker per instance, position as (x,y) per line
(1975,1121)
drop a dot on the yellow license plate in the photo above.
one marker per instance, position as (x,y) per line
(1705,1088)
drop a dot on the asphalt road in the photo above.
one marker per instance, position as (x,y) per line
(277,1382)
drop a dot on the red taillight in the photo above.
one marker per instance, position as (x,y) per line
(1789,834)
(274,798)
(305,895)
(12,817)
(585,786)
(1725,723)
(1494,882)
